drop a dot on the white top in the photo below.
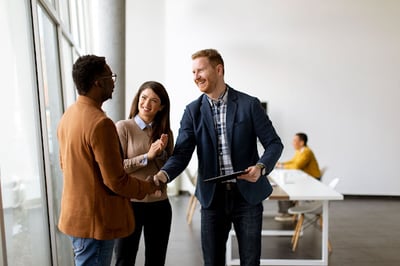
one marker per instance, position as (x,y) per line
(301,186)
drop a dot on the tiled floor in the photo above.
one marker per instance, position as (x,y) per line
(364,231)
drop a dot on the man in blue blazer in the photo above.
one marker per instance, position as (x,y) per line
(224,124)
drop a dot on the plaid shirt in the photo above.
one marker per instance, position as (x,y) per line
(219,108)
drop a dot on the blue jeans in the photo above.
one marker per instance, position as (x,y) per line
(90,252)
(229,207)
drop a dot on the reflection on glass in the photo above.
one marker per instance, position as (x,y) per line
(75,21)
(64,13)
(52,91)
(69,89)
(22,178)
(3,253)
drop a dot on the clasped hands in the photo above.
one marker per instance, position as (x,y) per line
(159,181)
(157,147)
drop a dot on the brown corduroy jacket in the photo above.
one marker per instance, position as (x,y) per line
(96,189)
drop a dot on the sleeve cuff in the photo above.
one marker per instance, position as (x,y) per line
(166,174)
(144,161)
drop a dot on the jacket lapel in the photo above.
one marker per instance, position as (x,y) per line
(208,120)
(230,114)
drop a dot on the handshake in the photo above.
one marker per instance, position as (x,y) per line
(158,183)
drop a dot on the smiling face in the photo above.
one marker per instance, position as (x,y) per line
(149,104)
(207,77)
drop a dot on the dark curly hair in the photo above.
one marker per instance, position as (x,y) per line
(85,71)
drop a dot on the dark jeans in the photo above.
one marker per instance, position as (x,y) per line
(154,218)
(229,207)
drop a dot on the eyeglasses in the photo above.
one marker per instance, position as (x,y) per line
(113,76)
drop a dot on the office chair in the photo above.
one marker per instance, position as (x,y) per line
(323,171)
(314,208)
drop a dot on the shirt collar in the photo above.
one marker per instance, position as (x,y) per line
(223,97)
(142,125)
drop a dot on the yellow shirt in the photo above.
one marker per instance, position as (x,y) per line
(305,160)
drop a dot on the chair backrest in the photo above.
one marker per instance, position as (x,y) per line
(333,183)
(323,171)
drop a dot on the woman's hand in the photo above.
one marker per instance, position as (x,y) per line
(157,147)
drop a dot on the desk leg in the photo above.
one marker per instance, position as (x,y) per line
(325,230)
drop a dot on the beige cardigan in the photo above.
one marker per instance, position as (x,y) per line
(135,144)
(96,189)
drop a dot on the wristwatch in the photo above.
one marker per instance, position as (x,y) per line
(262,168)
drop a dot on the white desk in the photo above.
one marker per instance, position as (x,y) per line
(298,186)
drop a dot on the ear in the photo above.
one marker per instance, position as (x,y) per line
(161,107)
(220,69)
(97,83)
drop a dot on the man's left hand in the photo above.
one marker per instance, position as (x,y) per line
(252,175)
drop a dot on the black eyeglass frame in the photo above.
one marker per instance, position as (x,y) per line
(113,76)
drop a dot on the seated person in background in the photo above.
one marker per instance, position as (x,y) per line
(304,160)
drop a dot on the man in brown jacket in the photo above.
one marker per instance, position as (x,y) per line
(95,207)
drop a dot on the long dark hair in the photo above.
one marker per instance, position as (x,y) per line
(161,123)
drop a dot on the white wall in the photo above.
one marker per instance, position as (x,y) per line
(145,45)
(328,68)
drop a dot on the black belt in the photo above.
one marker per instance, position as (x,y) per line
(228,185)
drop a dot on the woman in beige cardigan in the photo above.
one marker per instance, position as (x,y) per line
(147,142)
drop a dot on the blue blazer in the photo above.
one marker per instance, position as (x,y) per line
(246,121)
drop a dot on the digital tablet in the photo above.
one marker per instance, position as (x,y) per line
(225,177)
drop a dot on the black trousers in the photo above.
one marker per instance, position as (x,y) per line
(154,219)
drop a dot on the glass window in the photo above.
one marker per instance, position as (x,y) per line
(75,21)
(32,104)
(52,2)
(68,59)
(81,23)
(64,13)
(23,198)
(53,109)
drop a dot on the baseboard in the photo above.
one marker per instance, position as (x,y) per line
(355,196)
